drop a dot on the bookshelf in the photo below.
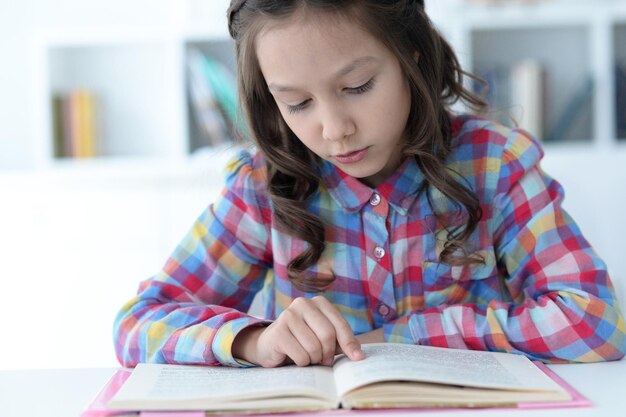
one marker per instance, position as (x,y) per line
(578,45)
(145,121)
(140,75)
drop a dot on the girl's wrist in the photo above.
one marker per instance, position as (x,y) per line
(244,345)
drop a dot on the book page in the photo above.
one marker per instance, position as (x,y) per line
(400,362)
(161,385)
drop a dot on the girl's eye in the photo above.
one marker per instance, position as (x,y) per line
(352,90)
(362,88)
(298,107)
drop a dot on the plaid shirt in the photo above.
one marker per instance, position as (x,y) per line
(542,291)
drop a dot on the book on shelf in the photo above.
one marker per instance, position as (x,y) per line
(515,94)
(496,92)
(75,124)
(620,100)
(206,110)
(391,376)
(576,115)
(213,95)
(58,126)
(527,96)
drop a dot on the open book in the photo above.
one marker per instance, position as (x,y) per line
(391,376)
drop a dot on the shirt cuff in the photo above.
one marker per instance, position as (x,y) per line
(406,329)
(223,341)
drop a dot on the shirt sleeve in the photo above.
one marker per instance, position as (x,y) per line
(190,311)
(564,306)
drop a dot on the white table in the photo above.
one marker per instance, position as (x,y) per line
(65,392)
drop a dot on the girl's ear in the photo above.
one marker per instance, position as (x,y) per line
(416,56)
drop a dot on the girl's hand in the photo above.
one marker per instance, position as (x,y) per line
(308,332)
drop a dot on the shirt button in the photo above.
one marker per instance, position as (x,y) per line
(375,200)
(383,310)
(379,252)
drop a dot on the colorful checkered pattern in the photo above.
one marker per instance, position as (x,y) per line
(542,291)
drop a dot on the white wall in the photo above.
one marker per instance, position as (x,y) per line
(73,249)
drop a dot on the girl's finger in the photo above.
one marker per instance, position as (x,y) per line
(325,333)
(346,339)
(311,311)
(290,346)
(307,338)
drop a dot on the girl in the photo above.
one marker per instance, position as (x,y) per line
(371,211)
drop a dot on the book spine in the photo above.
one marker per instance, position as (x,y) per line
(620,100)
(58,132)
(498,94)
(527,95)
(574,109)
(206,113)
(87,117)
(76,124)
(68,132)
(224,86)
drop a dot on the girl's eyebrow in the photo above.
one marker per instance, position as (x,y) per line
(359,62)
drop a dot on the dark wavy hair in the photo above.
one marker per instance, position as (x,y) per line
(436,82)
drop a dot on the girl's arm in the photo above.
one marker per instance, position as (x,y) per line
(565,306)
(193,308)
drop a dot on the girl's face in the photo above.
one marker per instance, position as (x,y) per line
(340,90)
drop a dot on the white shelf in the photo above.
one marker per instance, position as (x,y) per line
(202,18)
(552,14)
(101,36)
(207,163)
(204,35)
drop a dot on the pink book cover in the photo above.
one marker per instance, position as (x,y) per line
(98,406)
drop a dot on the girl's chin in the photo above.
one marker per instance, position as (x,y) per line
(370,177)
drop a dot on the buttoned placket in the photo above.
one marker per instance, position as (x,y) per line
(380,279)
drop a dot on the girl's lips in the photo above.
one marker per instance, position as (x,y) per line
(352,157)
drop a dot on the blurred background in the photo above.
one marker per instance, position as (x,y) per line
(117,117)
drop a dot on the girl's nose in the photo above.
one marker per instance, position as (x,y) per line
(337,125)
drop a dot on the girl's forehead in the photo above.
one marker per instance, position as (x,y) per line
(300,46)
(309,22)
(299,57)
(315,31)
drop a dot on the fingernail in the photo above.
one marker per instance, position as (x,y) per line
(358,353)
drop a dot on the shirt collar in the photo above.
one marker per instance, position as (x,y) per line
(400,189)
